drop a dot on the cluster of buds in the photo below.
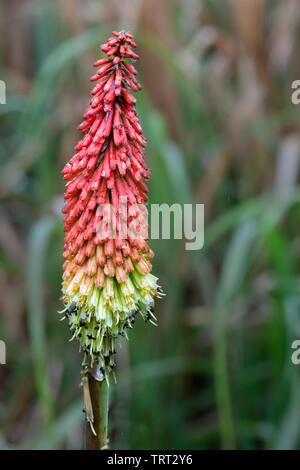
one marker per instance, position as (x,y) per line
(107,279)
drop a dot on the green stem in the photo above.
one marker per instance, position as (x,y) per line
(99,398)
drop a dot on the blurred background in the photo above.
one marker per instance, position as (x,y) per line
(216,108)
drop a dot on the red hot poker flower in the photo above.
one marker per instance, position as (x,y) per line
(107,266)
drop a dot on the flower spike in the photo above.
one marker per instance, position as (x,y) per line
(107,279)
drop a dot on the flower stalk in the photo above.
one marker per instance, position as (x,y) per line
(96,397)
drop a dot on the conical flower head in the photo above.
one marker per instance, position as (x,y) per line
(107,279)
